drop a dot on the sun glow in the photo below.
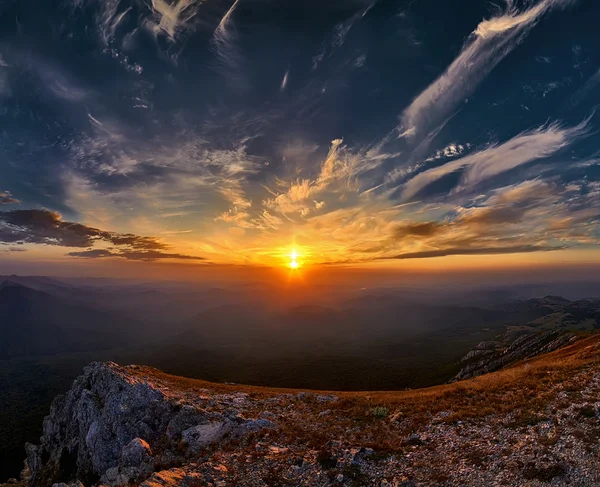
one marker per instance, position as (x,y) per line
(294,264)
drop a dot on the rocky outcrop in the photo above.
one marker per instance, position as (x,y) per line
(483,359)
(116,428)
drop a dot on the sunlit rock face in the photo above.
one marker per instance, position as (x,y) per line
(116,428)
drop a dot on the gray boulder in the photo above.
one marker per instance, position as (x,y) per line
(202,435)
(136,453)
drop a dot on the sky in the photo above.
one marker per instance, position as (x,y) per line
(376,133)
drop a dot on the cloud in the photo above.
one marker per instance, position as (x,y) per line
(161,17)
(15,249)
(581,94)
(421,229)
(338,176)
(284,82)
(172,17)
(341,31)
(45,227)
(224,44)
(183,172)
(451,150)
(339,35)
(533,216)
(49,75)
(48,228)
(491,41)
(118,24)
(147,256)
(474,251)
(479,166)
(7,199)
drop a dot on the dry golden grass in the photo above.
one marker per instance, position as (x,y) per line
(524,389)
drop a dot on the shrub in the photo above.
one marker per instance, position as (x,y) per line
(379,412)
(588,411)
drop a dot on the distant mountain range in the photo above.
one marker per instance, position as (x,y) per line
(37,323)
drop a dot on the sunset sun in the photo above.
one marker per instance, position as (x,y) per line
(294,264)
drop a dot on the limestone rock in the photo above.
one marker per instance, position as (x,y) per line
(115,426)
(202,435)
(136,453)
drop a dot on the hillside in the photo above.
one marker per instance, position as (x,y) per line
(532,424)
(38,323)
(557,326)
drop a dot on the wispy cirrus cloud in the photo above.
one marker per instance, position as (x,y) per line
(119,23)
(337,176)
(489,43)
(172,17)
(533,216)
(224,44)
(339,35)
(498,158)
(170,181)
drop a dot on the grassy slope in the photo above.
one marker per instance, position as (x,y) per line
(524,389)
(30,385)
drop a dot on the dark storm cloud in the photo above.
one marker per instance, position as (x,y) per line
(48,228)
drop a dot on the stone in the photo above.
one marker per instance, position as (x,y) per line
(185,418)
(107,421)
(252,426)
(327,398)
(202,435)
(415,439)
(166,478)
(136,453)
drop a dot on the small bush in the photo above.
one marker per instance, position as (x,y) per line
(544,473)
(588,411)
(325,459)
(379,412)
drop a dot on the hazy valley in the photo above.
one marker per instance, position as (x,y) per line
(365,339)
